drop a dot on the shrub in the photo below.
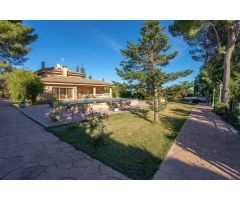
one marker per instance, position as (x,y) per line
(220,108)
(56,116)
(97,130)
(57,105)
(113,105)
(23,85)
(45,97)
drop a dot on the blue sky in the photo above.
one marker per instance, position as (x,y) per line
(96,44)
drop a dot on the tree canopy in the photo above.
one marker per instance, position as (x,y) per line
(211,39)
(83,71)
(14,40)
(144,61)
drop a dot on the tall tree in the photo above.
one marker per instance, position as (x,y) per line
(143,62)
(90,77)
(14,41)
(83,71)
(77,69)
(224,37)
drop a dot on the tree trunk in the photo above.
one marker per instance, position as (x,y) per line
(156,112)
(227,65)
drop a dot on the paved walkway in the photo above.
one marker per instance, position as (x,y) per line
(27,151)
(205,148)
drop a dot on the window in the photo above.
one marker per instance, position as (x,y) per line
(55,92)
(63,94)
(69,93)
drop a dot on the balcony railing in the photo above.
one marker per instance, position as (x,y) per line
(105,95)
(88,96)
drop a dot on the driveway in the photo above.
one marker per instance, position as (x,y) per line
(205,148)
(28,151)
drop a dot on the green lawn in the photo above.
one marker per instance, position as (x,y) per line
(135,146)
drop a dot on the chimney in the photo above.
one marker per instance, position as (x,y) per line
(43,64)
(64,69)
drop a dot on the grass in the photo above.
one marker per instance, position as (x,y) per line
(134,145)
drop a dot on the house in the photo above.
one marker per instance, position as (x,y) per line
(66,84)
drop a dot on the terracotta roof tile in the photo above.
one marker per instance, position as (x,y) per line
(75,80)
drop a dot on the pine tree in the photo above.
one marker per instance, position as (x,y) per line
(90,77)
(14,41)
(83,71)
(224,36)
(143,63)
(77,69)
(103,79)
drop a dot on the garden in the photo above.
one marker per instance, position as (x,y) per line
(128,142)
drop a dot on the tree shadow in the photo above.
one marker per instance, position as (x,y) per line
(173,169)
(141,113)
(218,146)
(179,111)
(208,137)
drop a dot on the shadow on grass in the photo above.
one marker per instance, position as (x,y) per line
(141,113)
(173,123)
(139,163)
(131,161)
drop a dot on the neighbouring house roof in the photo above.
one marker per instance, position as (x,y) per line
(58,71)
(74,80)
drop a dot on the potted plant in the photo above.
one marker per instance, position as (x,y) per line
(115,107)
(56,116)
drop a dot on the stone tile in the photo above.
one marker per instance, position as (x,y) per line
(32,172)
(205,148)
(76,172)
(27,151)
(85,163)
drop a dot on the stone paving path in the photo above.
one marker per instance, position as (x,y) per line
(27,151)
(205,148)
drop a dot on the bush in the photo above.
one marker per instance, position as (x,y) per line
(97,130)
(23,85)
(45,97)
(113,105)
(56,116)
(220,108)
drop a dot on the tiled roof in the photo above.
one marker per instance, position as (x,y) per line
(53,69)
(75,80)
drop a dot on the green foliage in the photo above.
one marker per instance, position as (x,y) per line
(178,91)
(220,108)
(83,71)
(23,85)
(235,87)
(134,146)
(143,62)
(56,115)
(97,130)
(121,90)
(77,69)
(14,41)
(209,41)
(238,109)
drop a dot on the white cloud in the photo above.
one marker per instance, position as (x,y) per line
(113,44)
(110,42)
